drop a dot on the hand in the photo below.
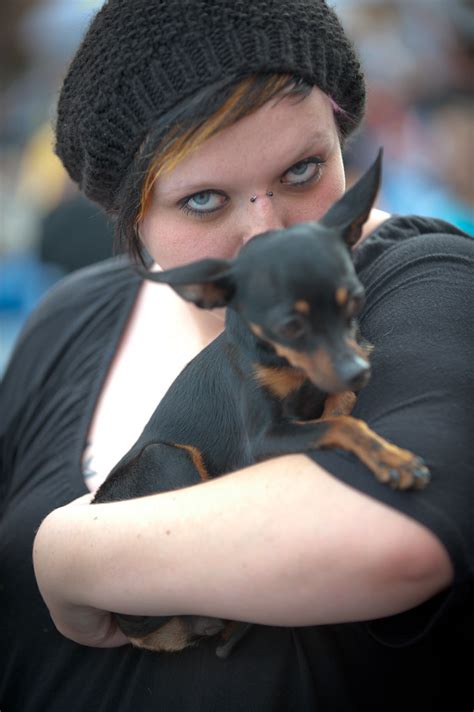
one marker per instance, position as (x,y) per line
(81,623)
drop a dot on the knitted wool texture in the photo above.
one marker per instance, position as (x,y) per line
(140,58)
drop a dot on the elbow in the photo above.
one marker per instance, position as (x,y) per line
(418,569)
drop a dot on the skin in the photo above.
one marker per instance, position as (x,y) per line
(348,557)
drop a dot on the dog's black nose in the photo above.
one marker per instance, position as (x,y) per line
(355,373)
(360,380)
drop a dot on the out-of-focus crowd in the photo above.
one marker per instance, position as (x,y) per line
(418,56)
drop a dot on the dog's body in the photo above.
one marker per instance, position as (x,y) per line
(280,379)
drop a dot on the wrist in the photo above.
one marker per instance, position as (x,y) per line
(64,561)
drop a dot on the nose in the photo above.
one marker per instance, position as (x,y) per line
(261,215)
(355,372)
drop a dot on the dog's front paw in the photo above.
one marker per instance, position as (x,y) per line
(400,469)
(392,465)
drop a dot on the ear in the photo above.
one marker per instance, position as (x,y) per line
(352,210)
(207,283)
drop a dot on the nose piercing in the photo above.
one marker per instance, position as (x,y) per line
(254,197)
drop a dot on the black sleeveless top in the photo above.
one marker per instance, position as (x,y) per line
(419,278)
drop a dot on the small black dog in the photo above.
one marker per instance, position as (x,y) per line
(281,379)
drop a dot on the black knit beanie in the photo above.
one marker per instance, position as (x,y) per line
(140,58)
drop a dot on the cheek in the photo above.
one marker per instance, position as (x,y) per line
(172,241)
(331,187)
(334,187)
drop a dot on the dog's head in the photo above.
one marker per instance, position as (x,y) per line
(296,289)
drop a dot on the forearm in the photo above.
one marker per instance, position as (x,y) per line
(279,543)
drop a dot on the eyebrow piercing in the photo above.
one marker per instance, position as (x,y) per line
(254,197)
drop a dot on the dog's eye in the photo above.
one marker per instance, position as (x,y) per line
(291,328)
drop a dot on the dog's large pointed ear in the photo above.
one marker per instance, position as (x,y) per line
(207,283)
(352,210)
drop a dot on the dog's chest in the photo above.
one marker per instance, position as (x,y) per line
(306,403)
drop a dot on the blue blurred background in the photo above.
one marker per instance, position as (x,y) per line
(418,58)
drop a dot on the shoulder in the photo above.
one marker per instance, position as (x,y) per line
(417,273)
(403,240)
(417,266)
(78,296)
(84,287)
(79,310)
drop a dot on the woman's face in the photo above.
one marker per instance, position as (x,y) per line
(202,207)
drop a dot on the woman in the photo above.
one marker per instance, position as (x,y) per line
(200,125)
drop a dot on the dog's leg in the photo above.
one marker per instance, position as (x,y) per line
(339,404)
(231,636)
(390,464)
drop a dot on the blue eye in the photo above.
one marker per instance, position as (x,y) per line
(201,204)
(200,199)
(306,171)
(300,168)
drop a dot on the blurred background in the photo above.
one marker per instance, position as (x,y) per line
(418,58)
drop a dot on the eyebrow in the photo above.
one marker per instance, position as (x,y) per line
(324,138)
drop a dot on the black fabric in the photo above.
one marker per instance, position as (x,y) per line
(419,279)
(141,58)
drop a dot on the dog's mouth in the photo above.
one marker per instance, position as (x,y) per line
(332,372)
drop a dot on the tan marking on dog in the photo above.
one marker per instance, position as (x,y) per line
(342,296)
(297,359)
(323,364)
(379,455)
(318,361)
(256,329)
(196,457)
(339,404)
(279,381)
(170,638)
(302,306)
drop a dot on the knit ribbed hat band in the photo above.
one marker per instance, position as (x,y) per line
(140,58)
